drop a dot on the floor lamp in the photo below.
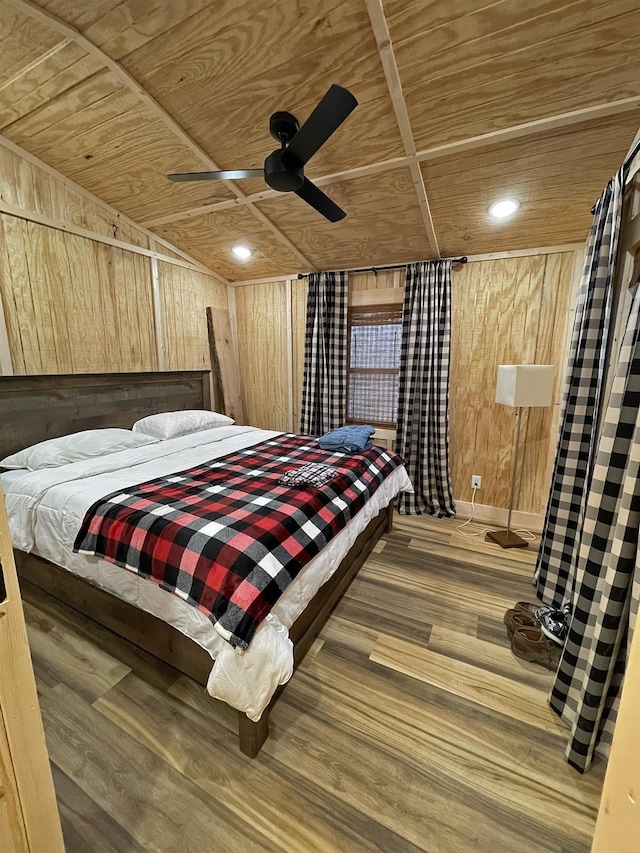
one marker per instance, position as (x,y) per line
(519,386)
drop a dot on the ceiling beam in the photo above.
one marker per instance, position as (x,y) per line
(553,122)
(45,17)
(494,137)
(392,76)
(34,64)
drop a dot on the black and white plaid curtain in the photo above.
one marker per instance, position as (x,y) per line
(325,353)
(581,404)
(589,554)
(607,577)
(423,405)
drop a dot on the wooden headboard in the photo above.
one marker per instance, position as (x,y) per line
(34,408)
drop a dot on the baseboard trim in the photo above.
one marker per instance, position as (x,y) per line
(498,515)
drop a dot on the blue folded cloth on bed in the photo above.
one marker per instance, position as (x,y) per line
(348,439)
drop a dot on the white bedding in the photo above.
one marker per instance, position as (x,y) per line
(8,477)
(46,509)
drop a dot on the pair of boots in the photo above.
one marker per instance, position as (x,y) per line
(538,632)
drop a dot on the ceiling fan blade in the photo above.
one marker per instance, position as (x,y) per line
(326,118)
(229,175)
(314,196)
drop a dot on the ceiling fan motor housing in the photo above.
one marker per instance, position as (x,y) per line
(283,127)
(282,175)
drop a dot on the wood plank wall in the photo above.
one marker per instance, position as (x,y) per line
(261,317)
(74,305)
(185,296)
(512,310)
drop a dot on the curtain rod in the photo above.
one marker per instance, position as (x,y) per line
(375,270)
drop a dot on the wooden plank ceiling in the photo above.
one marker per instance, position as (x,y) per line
(461,102)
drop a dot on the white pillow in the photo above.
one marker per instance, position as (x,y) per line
(173,424)
(74,448)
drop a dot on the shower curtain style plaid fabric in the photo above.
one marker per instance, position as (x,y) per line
(581,402)
(423,405)
(325,354)
(607,583)
(589,554)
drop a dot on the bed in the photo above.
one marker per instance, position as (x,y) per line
(46,508)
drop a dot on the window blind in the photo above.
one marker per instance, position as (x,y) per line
(375,335)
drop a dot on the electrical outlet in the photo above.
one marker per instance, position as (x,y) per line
(476,481)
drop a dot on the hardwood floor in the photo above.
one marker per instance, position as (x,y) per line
(409,727)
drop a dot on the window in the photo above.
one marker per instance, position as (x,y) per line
(373,367)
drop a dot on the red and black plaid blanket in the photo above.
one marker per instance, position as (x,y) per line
(226,536)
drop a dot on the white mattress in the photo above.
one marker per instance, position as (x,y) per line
(46,509)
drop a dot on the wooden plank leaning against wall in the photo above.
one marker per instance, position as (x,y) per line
(505,310)
(73,304)
(29,821)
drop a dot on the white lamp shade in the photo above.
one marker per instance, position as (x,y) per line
(525,384)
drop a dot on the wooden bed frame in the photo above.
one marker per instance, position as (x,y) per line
(33,408)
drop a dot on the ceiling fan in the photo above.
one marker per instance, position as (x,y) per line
(284,168)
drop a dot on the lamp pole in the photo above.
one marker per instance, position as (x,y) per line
(507,538)
(515,468)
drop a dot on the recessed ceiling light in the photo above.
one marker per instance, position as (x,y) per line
(243,253)
(504,208)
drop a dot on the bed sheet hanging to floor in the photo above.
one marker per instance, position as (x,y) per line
(46,510)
